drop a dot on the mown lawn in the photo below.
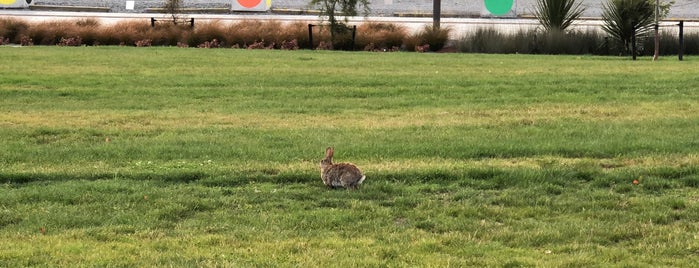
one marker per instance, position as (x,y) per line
(119,156)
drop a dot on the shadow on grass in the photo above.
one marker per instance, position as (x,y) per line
(486,178)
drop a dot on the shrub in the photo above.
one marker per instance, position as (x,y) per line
(371,47)
(168,34)
(489,40)
(50,33)
(423,48)
(144,43)
(323,45)
(380,36)
(247,32)
(691,43)
(87,22)
(214,43)
(371,36)
(289,45)
(559,42)
(70,42)
(436,37)
(13,29)
(321,37)
(26,41)
(260,45)
(558,15)
(628,20)
(271,32)
(669,43)
(123,32)
(203,32)
(296,31)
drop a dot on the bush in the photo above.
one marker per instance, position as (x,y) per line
(380,36)
(203,32)
(248,32)
(669,43)
(559,42)
(214,43)
(371,36)
(12,30)
(125,32)
(289,45)
(435,37)
(488,40)
(296,31)
(628,21)
(70,42)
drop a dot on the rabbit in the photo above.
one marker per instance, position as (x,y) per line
(345,175)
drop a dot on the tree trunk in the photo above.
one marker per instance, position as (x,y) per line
(656,53)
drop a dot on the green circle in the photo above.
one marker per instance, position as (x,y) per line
(498,7)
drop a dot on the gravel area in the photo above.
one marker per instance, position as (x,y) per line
(687,9)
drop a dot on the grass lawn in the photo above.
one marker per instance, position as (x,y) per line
(140,157)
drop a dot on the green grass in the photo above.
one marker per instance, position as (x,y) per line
(471,160)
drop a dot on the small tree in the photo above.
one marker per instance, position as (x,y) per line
(629,20)
(558,15)
(174,8)
(346,8)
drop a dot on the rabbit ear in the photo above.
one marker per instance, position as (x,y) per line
(329,152)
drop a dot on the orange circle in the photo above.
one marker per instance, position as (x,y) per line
(249,3)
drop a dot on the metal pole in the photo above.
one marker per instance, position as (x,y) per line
(354,34)
(681,53)
(436,13)
(633,44)
(310,36)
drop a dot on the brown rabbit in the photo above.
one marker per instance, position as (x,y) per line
(339,175)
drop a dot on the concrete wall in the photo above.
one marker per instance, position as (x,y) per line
(686,9)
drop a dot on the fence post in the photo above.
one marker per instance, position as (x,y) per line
(310,36)
(681,52)
(152,22)
(354,34)
(191,22)
(633,45)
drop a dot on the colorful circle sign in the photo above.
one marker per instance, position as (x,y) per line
(249,3)
(498,7)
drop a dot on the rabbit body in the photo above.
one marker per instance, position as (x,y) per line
(344,175)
